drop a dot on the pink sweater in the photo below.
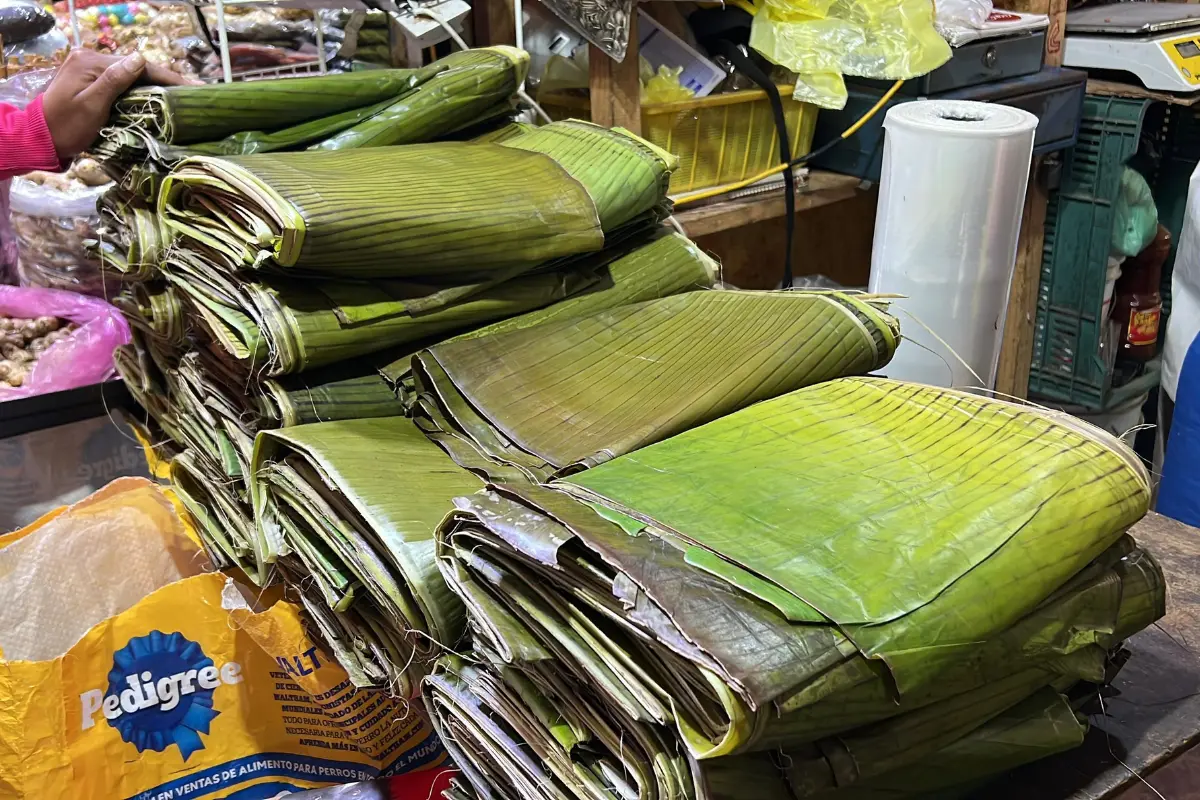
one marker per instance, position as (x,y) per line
(25,143)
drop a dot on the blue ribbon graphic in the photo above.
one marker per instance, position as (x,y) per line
(152,728)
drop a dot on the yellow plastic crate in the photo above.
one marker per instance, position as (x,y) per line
(719,139)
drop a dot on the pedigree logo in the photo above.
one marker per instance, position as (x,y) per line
(160,693)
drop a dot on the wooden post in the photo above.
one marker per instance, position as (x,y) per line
(616,90)
(494,22)
(1016,349)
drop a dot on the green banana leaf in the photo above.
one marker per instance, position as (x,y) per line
(676,631)
(567,395)
(354,389)
(364,534)
(182,115)
(144,378)
(225,523)
(467,212)
(277,326)
(1040,726)
(667,263)
(532,733)
(130,239)
(471,85)
(499,554)
(156,310)
(1062,481)
(206,420)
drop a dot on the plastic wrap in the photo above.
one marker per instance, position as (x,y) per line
(950,201)
(16,91)
(43,52)
(81,359)
(8,240)
(962,13)
(1135,216)
(821,40)
(52,222)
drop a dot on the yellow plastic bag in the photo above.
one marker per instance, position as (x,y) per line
(187,692)
(821,40)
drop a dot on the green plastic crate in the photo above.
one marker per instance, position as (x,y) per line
(1069,364)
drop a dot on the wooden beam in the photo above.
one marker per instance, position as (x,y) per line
(821,188)
(494,22)
(616,90)
(1016,349)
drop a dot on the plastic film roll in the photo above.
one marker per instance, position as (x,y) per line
(951,195)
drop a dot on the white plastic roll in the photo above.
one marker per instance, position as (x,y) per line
(950,200)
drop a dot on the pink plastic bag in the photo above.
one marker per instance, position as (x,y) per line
(81,359)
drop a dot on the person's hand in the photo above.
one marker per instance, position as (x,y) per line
(79,98)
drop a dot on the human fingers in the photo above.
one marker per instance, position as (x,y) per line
(114,81)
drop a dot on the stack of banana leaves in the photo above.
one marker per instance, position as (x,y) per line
(154,128)
(329,516)
(566,395)
(861,589)
(305,282)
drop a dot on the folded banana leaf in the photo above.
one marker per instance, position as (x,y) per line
(668,263)
(181,115)
(155,128)
(155,309)
(886,492)
(210,410)
(131,239)
(566,395)
(354,389)
(224,521)
(277,326)
(143,368)
(470,86)
(1040,726)
(466,212)
(363,534)
(533,733)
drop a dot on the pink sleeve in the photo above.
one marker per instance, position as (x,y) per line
(25,143)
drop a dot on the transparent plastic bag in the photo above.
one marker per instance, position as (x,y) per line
(962,13)
(8,240)
(1135,216)
(52,222)
(82,358)
(44,52)
(17,91)
(821,40)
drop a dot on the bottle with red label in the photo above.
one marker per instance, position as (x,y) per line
(1137,304)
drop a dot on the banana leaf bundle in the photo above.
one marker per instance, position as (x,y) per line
(226,404)
(155,309)
(155,127)
(440,216)
(862,564)
(143,369)
(223,518)
(362,535)
(567,395)
(272,326)
(131,239)
(667,263)
(528,733)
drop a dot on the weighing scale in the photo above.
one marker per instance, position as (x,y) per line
(1157,42)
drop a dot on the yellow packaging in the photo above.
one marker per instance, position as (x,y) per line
(191,694)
